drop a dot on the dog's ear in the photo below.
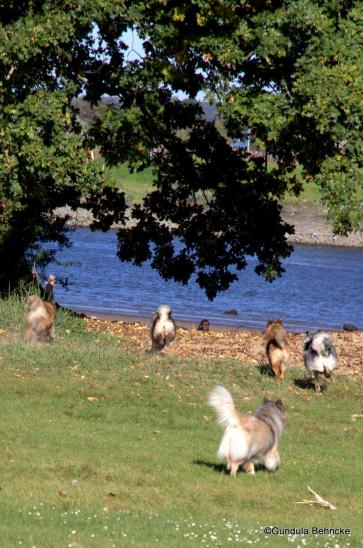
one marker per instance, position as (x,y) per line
(279,405)
(307,341)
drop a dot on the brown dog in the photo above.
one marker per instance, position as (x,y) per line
(276,342)
(248,439)
(39,320)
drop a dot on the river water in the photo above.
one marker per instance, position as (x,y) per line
(322,287)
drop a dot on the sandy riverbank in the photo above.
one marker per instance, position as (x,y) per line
(312,228)
(308,220)
(143,320)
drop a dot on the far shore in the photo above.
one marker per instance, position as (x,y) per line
(308,219)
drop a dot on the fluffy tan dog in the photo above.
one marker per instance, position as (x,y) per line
(163,328)
(39,320)
(276,342)
(248,439)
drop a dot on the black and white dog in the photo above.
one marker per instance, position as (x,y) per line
(163,328)
(320,357)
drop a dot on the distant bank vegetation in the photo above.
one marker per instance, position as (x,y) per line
(137,185)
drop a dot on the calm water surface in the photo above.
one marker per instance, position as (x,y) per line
(322,287)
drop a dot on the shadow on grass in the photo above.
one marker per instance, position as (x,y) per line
(222,468)
(308,384)
(265,369)
(304,384)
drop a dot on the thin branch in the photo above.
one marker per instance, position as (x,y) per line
(132,49)
(318,500)
(205,197)
(9,74)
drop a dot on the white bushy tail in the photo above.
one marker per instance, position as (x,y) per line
(222,402)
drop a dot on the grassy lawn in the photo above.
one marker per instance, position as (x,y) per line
(103,448)
(136,186)
(310,194)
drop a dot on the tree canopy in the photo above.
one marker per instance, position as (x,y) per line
(290,71)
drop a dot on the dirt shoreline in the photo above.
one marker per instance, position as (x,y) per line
(184,324)
(137,319)
(311,227)
(308,220)
(221,343)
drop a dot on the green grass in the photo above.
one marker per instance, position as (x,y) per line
(102,447)
(310,194)
(137,185)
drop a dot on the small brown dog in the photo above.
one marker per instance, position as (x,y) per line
(276,342)
(39,320)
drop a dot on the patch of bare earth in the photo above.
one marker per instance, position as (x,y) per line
(311,227)
(245,346)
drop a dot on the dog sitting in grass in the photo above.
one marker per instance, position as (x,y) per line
(275,344)
(39,320)
(248,439)
(163,329)
(320,357)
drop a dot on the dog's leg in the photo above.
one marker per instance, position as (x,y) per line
(32,338)
(271,460)
(276,370)
(155,346)
(29,335)
(279,369)
(166,349)
(249,468)
(43,336)
(51,334)
(318,382)
(234,468)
